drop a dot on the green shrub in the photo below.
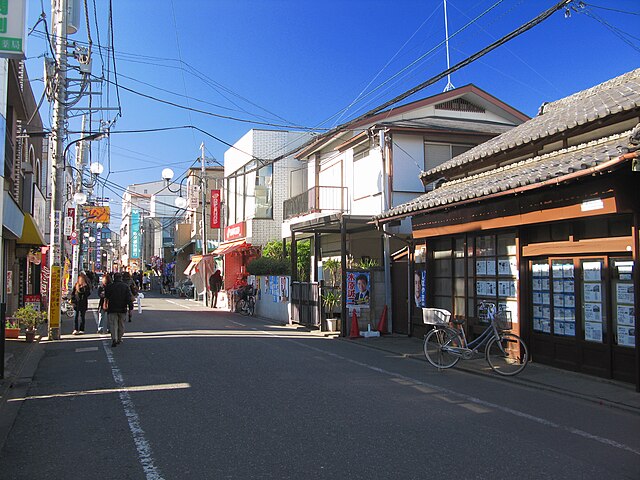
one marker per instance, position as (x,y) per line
(269,266)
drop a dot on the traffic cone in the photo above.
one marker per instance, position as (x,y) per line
(382,324)
(355,330)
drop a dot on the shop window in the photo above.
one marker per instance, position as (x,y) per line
(496,272)
(563,298)
(593,301)
(622,294)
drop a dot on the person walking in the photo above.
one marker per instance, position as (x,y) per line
(119,302)
(103,317)
(80,300)
(133,289)
(215,285)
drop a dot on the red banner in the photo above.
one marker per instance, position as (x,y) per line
(215,209)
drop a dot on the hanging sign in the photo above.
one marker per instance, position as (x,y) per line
(215,209)
(134,248)
(12,28)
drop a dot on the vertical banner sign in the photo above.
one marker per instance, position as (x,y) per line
(44,276)
(54,304)
(12,23)
(215,209)
(98,250)
(68,220)
(134,247)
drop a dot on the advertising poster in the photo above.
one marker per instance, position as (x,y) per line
(625,315)
(624,293)
(358,288)
(33,300)
(284,289)
(420,288)
(593,332)
(626,336)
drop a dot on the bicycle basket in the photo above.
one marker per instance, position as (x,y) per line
(436,316)
(502,320)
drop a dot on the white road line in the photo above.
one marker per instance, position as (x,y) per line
(178,304)
(143,447)
(474,400)
(238,323)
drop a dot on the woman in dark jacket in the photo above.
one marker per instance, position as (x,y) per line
(103,322)
(80,299)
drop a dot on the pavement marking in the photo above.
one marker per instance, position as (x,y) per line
(178,304)
(86,349)
(239,324)
(470,399)
(145,454)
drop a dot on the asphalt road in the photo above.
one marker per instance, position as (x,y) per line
(199,394)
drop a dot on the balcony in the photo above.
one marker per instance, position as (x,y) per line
(316,199)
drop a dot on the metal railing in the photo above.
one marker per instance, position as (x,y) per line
(316,199)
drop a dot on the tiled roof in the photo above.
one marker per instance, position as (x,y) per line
(617,95)
(555,165)
(448,124)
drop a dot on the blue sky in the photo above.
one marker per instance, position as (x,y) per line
(301,62)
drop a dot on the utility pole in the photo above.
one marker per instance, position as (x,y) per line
(59,14)
(203,188)
(76,222)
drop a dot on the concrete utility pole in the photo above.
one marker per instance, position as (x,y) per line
(76,222)
(203,188)
(59,14)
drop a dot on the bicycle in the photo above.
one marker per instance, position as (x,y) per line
(505,352)
(67,307)
(247,303)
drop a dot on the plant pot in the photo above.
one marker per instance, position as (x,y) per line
(333,324)
(11,332)
(30,335)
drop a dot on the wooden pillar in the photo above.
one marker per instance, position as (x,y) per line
(635,235)
(345,324)
(316,255)
(411,267)
(294,258)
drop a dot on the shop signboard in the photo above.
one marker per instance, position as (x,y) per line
(12,29)
(235,231)
(215,209)
(54,304)
(134,247)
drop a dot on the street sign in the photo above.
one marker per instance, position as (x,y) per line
(55,296)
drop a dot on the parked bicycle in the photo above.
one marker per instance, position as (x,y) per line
(246,304)
(67,307)
(505,352)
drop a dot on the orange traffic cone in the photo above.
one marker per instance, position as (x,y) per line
(382,324)
(355,330)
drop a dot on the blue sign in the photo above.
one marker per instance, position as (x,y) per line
(134,242)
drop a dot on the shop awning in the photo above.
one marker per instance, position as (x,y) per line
(231,247)
(30,233)
(194,262)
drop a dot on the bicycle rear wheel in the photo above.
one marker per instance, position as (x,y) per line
(507,355)
(435,347)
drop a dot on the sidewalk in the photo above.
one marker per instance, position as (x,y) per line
(20,362)
(541,377)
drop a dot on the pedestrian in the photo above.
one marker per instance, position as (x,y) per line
(146,283)
(133,289)
(103,317)
(215,285)
(118,299)
(80,300)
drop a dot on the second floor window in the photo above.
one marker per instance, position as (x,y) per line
(264,192)
(437,153)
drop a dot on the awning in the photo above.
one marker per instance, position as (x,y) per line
(194,262)
(231,247)
(30,233)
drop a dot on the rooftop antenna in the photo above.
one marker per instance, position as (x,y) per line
(449,85)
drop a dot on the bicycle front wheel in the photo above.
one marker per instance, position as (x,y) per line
(437,344)
(507,355)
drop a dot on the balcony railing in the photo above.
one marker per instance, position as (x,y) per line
(316,199)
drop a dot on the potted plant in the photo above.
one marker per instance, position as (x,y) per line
(331,300)
(11,328)
(29,318)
